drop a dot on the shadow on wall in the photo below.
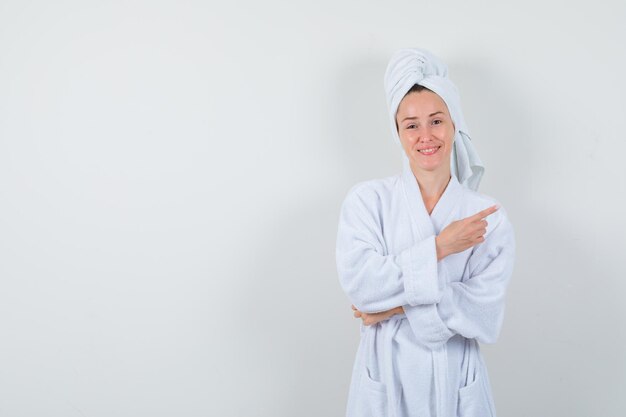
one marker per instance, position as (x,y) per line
(561,303)
(359,117)
(559,298)
(298,321)
(294,306)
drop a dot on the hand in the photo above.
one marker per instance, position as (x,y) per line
(463,234)
(373,318)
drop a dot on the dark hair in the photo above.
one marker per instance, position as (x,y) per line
(415,89)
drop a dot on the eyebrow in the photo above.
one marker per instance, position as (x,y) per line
(415,117)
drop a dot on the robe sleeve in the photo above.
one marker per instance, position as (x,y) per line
(374,280)
(473,308)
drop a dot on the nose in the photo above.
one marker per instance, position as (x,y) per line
(425,134)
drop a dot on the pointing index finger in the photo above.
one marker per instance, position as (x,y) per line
(486,212)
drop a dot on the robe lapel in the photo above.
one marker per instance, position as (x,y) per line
(423,226)
(421,223)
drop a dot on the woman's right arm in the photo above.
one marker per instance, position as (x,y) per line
(373,280)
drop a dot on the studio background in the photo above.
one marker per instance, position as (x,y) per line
(170,181)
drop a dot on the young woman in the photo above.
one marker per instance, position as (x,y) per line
(425,259)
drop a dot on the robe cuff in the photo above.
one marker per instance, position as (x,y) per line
(428,328)
(419,268)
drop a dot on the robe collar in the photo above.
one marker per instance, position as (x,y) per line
(424,224)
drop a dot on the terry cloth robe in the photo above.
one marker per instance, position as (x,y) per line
(425,362)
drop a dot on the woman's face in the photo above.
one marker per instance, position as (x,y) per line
(426,131)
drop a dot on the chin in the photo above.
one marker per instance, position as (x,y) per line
(431,166)
(434,166)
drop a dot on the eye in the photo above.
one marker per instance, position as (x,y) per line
(412,126)
(437,122)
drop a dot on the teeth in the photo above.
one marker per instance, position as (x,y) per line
(428,150)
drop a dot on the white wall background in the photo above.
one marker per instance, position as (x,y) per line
(171,175)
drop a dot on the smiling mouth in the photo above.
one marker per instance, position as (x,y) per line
(429,151)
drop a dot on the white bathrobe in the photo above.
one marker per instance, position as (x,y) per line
(427,361)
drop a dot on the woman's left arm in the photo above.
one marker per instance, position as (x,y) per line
(473,308)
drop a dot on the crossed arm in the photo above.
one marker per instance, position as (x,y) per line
(411,282)
(373,318)
(456,237)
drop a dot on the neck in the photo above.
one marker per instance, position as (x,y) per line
(432,184)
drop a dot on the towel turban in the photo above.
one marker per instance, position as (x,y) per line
(408,67)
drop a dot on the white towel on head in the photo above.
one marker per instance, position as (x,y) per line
(411,66)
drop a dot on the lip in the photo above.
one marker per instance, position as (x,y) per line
(436,149)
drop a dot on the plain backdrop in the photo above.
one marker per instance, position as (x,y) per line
(171,174)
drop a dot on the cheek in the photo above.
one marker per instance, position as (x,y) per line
(403,138)
(447,134)
(406,142)
(449,143)
(407,136)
